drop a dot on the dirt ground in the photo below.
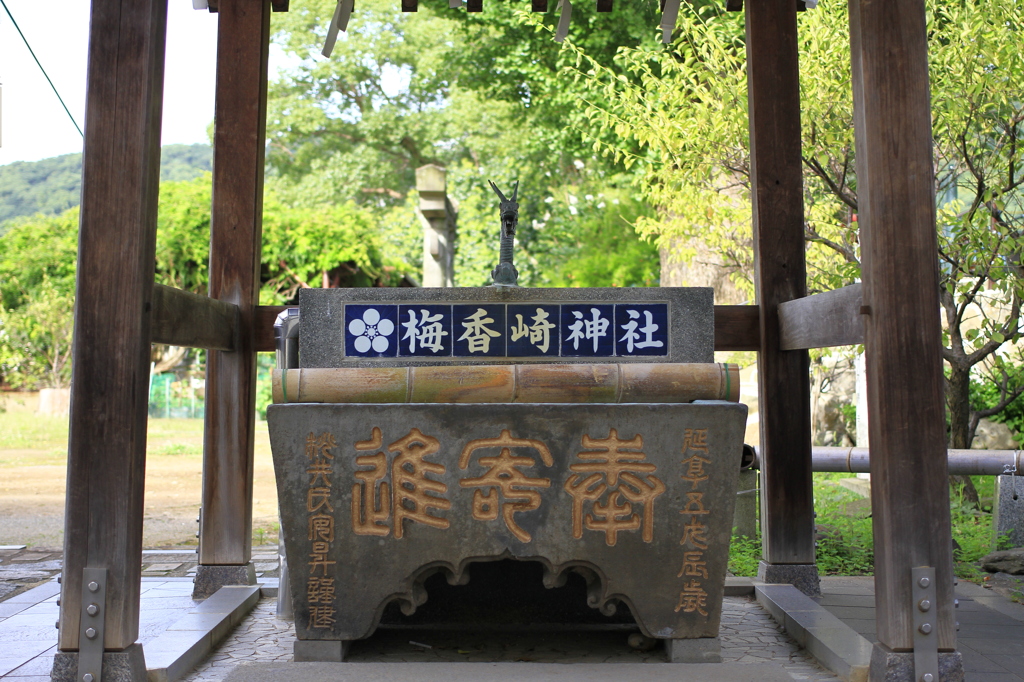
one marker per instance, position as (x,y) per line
(33,472)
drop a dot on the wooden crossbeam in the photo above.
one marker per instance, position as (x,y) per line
(410,5)
(276,5)
(829,319)
(604,5)
(539,5)
(474,5)
(181,318)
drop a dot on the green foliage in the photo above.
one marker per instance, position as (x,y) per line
(744,555)
(52,186)
(183,234)
(38,249)
(37,283)
(35,339)
(845,537)
(265,363)
(844,530)
(986,394)
(972,533)
(488,102)
(328,246)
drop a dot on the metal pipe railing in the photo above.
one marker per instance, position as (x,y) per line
(961,462)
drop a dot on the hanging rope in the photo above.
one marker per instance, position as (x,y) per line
(25,40)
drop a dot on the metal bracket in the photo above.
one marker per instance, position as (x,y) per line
(926,635)
(90,630)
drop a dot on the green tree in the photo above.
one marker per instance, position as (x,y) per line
(686,108)
(35,339)
(37,287)
(483,96)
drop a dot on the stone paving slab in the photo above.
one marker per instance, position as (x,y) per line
(507,672)
(749,638)
(990,639)
(834,644)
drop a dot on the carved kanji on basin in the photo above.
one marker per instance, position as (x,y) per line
(375,496)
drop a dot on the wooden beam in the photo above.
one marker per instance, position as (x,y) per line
(238,156)
(278,5)
(737,327)
(410,5)
(902,331)
(733,5)
(773,82)
(829,319)
(181,318)
(117,238)
(474,5)
(604,5)
(539,5)
(263,331)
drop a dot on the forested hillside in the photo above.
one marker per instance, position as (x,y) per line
(53,185)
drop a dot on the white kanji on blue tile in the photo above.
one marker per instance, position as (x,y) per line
(641,329)
(370,330)
(586,330)
(426,330)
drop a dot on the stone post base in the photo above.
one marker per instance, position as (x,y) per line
(803,577)
(209,579)
(700,650)
(128,665)
(314,650)
(892,666)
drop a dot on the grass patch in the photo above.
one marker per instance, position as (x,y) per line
(30,431)
(845,538)
(177,449)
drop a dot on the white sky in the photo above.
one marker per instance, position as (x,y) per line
(35,126)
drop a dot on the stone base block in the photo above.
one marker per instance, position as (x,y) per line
(128,665)
(700,650)
(898,666)
(209,579)
(803,577)
(318,650)
(1009,512)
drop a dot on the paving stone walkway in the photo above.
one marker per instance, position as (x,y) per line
(749,635)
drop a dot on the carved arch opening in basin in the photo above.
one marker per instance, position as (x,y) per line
(507,592)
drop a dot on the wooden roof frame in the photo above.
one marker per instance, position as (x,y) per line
(120,312)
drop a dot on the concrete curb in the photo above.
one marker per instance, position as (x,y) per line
(191,639)
(739,586)
(507,672)
(833,643)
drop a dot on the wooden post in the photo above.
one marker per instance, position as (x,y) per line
(225,542)
(896,198)
(773,82)
(109,400)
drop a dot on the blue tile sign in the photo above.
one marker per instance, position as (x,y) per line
(467,330)
(370,331)
(479,330)
(426,330)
